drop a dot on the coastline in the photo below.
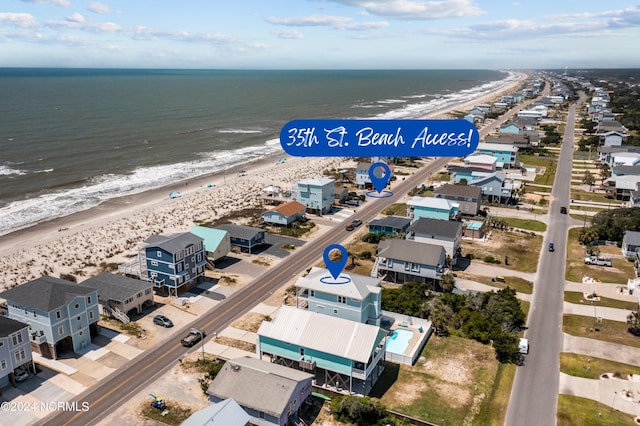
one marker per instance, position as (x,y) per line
(111,231)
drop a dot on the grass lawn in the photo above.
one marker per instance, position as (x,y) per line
(576,269)
(610,331)
(548,162)
(518,284)
(360,265)
(591,367)
(452,385)
(494,408)
(175,416)
(592,196)
(529,224)
(574,410)
(578,298)
(522,250)
(396,209)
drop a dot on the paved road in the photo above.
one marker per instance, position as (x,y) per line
(534,396)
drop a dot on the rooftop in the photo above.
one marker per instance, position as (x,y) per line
(173,243)
(316,181)
(240,231)
(46,293)
(391,221)
(359,288)
(116,287)
(289,208)
(9,326)
(436,227)
(632,237)
(459,190)
(411,251)
(212,237)
(432,202)
(484,146)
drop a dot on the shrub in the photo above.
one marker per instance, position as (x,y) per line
(366,254)
(370,237)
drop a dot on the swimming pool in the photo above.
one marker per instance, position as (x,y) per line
(474,225)
(399,341)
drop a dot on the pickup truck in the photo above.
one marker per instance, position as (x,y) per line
(595,260)
(193,337)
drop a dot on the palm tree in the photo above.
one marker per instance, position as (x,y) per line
(588,179)
(448,282)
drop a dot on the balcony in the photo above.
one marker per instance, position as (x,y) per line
(38,337)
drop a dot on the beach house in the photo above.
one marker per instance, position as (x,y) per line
(400,261)
(506,154)
(447,233)
(435,208)
(630,243)
(389,225)
(119,295)
(62,316)
(174,261)
(357,299)
(495,187)
(362,175)
(224,413)
(285,214)
(244,238)
(217,242)
(15,350)
(316,194)
(468,197)
(344,356)
(269,393)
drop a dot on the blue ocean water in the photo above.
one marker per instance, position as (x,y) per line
(71,139)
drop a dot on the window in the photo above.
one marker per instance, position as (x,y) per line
(389,263)
(158,253)
(17,339)
(88,300)
(301,352)
(60,331)
(77,305)
(179,267)
(78,319)
(415,267)
(154,263)
(1,343)
(335,311)
(342,299)
(58,316)
(20,355)
(312,293)
(3,364)
(90,314)
(80,334)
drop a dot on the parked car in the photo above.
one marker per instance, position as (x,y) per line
(356,223)
(563,210)
(162,321)
(552,247)
(20,375)
(597,260)
(193,337)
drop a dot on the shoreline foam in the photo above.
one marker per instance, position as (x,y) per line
(111,231)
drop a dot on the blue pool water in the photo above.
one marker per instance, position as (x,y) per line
(473,225)
(399,341)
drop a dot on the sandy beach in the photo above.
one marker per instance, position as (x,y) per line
(110,233)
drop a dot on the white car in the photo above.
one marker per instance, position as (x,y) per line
(20,375)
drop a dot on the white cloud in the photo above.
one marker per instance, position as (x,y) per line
(62,3)
(99,8)
(288,34)
(417,9)
(336,22)
(76,17)
(23,20)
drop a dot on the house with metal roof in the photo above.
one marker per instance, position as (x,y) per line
(481,161)
(468,197)
(358,298)
(173,261)
(447,233)
(15,350)
(244,238)
(217,242)
(343,355)
(118,295)
(389,225)
(435,208)
(630,243)
(316,194)
(285,214)
(61,315)
(506,154)
(270,393)
(400,261)
(224,413)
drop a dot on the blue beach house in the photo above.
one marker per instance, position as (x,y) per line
(507,155)
(316,194)
(61,315)
(434,208)
(173,261)
(244,238)
(217,242)
(15,349)
(358,300)
(389,225)
(343,355)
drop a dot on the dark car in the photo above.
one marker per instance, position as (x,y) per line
(162,321)
(356,223)
(563,210)
(194,336)
(552,247)
(350,227)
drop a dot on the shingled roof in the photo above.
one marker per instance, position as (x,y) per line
(46,293)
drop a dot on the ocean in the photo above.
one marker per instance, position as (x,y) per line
(71,139)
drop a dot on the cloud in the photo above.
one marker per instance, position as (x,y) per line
(417,10)
(100,8)
(288,34)
(61,3)
(336,22)
(23,20)
(76,17)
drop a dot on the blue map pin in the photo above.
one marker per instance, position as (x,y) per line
(335,267)
(379,183)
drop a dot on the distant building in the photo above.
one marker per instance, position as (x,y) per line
(61,315)
(285,214)
(316,194)
(401,261)
(468,197)
(15,349)
(244,238)
(345,356)
(118,295)
(173,261)
(630,243)
(362,175)
(269,393)
(612,138)
(446,233)
(217,242)
(358,299)
(389,225)
(435,208)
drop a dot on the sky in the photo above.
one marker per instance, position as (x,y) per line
(320,34)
